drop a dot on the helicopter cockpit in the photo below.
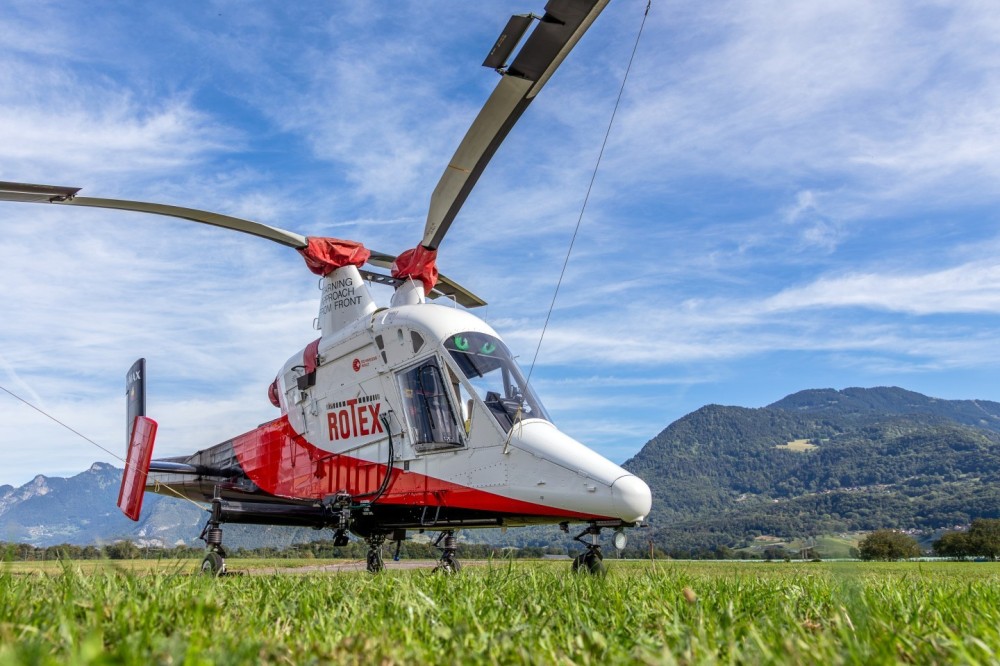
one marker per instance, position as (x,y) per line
(488,365)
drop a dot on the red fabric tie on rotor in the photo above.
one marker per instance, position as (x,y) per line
(418,264)
(325,255)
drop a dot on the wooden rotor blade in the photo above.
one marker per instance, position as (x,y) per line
(28,193)
(553,38)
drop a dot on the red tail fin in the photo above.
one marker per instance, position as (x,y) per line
(140,452)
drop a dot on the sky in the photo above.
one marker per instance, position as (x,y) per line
(792,196)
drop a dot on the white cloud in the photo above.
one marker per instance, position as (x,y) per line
(969,288)
(54,125)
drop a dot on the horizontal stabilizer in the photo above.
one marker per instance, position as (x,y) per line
(140,452)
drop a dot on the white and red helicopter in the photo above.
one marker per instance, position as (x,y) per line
(408,417)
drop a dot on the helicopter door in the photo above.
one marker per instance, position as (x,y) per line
(428,408)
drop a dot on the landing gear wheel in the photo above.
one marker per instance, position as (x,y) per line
(213,564)
(375,563)
(591,562)
(448,567)
(594,562)
(448,564)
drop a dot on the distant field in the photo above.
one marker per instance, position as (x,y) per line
(799,445)
(503,612)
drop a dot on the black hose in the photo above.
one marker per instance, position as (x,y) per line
(388,470)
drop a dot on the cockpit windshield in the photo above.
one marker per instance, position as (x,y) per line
(487,364)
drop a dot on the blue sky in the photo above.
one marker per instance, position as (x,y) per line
(794,195)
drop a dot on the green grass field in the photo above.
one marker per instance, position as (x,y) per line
(504,612)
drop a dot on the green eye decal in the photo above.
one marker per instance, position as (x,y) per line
(461,343)
(488,348)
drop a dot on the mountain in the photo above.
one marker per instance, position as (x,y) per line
(884,401)
(83,510)
(820,462)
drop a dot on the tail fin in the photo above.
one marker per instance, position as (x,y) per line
(141,435)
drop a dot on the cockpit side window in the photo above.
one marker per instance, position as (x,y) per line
(428,408)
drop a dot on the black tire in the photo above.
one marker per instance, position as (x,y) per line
(594,563)
(213,565)
(591,562)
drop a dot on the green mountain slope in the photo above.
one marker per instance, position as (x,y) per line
(822,461)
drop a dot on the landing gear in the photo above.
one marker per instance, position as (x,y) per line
(375,563)
(592,561)
(214,563)
(448,564)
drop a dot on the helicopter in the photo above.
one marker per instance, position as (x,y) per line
(410,417)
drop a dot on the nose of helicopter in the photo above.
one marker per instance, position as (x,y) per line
(631,498)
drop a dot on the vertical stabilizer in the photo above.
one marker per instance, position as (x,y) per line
(135,396)
(141,432)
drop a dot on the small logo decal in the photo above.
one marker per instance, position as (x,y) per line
(359,363)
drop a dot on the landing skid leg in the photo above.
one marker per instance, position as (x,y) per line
(592,561)
(375,563)
(214,563)
(448,563)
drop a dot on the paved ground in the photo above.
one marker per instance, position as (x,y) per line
(336,567)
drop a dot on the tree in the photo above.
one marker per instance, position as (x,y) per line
(122,550)
(985,537)
(954,544)
(775,553)
(888,545)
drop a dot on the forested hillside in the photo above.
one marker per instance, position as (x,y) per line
(822,461)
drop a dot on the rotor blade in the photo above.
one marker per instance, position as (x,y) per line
(381,259)
(448,287)
(553,38)
(29,193)
(25,192)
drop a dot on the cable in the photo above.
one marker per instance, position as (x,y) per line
(590,187)
(49,416)
(80,434)
(388,473)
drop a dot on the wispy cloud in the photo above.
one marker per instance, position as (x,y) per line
(967,288)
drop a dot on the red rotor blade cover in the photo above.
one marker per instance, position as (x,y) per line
(418,264)
(140,452)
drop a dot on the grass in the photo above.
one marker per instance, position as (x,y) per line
(166,566)
(673,612)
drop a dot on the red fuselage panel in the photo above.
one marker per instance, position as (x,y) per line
(281,462)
